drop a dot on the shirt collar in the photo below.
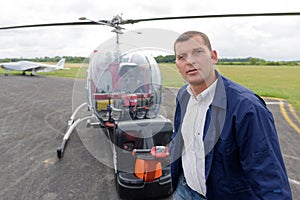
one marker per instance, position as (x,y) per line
(207,95)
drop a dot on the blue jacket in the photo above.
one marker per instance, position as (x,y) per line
(243,158)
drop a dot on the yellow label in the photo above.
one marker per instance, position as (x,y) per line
(102,104)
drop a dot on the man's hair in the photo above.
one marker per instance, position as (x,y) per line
(189,34)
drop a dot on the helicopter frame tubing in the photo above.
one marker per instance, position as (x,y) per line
(72,124)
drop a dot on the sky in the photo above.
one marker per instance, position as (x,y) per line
(269,38)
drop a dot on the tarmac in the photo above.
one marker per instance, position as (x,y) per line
(33,119)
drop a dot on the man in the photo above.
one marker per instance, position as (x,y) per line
(225,144)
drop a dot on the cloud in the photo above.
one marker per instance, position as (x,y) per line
(269,38)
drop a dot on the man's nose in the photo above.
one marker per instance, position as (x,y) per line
(191,60)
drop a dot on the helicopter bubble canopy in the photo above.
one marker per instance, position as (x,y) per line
(123,78)
(124,88)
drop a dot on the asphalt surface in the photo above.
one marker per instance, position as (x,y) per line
(33,119)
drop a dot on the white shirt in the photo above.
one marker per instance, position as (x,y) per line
(193,156)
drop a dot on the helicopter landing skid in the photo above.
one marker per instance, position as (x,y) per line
(72,123)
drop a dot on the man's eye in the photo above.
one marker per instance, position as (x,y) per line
(180,57)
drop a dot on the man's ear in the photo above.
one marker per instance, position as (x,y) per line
(214,57)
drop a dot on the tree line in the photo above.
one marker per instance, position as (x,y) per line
(69,59)
(162,59)
(233,61)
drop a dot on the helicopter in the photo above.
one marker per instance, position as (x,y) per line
(123,92)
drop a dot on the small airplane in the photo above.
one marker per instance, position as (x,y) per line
(32,66)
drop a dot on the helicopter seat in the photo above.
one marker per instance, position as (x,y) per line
(106,86)
(114,71)
(144,75)
(127,78)
(133,78)
(109,78)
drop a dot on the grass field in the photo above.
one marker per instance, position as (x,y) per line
(269,81)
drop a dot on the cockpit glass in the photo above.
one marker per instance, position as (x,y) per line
(125,77)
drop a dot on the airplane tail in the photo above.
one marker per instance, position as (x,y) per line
(61,63)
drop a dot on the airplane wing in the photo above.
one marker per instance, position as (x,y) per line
(19,66)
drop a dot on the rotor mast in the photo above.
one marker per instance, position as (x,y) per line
(115,24)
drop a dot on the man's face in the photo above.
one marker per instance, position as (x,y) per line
(195,61)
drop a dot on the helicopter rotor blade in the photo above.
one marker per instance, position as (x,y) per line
(130,21)
(51,24)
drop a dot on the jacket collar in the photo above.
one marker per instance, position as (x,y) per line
(214,123)
(220,99)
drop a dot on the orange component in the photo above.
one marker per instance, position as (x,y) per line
(148,170)
(109,124)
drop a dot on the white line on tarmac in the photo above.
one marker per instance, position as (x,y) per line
(289,156)
(294,181)
(295,158)
(274,103)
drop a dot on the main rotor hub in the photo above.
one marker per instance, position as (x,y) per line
(116,20)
